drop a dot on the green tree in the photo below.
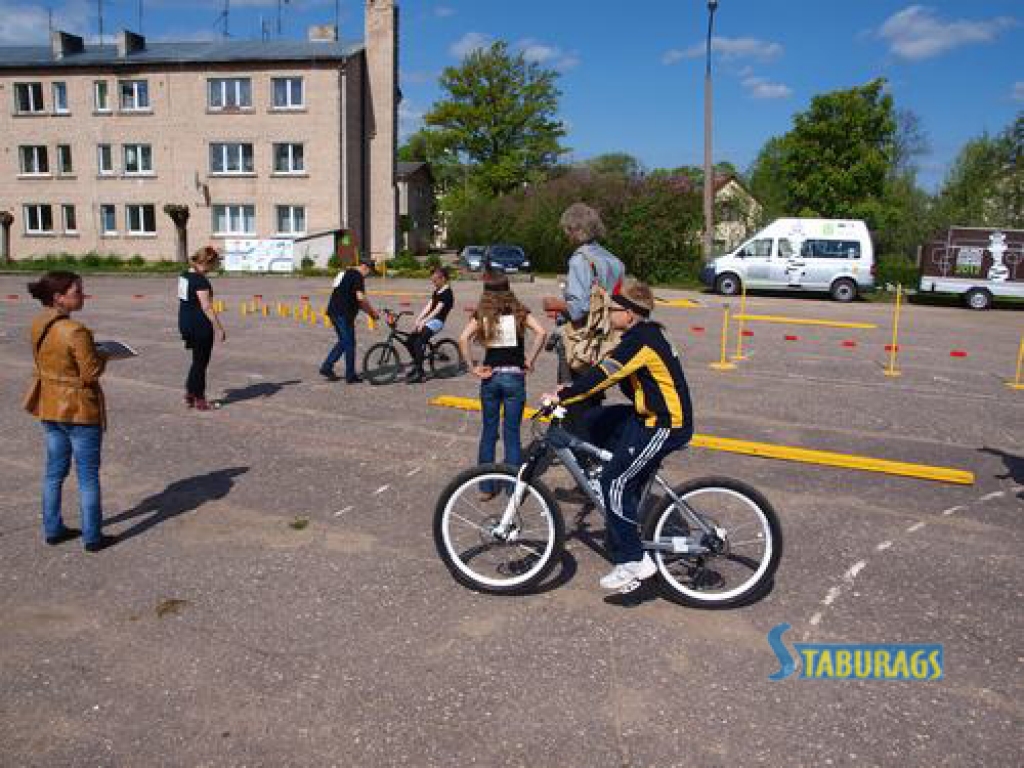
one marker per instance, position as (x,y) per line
(619,163)
(985,186)
(768,180)
(498,117)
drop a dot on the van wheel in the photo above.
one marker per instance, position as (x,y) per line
(844,290)
(978,298)
(728,284)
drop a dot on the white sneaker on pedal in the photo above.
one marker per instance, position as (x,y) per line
(624,574)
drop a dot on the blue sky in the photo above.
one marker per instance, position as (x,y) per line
(632,73)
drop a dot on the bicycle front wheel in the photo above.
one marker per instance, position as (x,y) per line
(445,360)
(381,364)
(469,536)
(745,545)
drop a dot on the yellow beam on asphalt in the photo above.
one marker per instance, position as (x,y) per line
(684,303)
(783,452)
(803,321)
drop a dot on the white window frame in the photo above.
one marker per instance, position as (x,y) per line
(101,104)
(36,157)
(60,105)
(112,209)
(229,151)
(64,208)
(38,209)
(100,170)
(291,169)
(65,156)
(139,93)
(144,159)
(234,214)
(290,102)
(292,230)
(230,91)
(139,211)
(33,107)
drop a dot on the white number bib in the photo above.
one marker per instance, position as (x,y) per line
(183,288)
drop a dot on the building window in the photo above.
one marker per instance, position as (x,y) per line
(234,219)
(140,219)
(70,219)
(64,164)
(231,158)
(104,159)
(60,98)
(38,219)
(101,91)
(291,219)
(229,93)
(134,95)
(108,219)
(288,158)
(287,93)
(28,97)
(34,161)
(138,159)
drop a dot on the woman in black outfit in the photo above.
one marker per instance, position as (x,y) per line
(196,321)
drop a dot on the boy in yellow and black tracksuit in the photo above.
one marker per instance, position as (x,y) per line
(647,367)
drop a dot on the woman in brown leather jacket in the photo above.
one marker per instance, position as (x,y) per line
(67,399)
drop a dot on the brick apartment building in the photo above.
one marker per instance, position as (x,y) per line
(260,139)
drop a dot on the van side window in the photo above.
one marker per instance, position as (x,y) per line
(757,249)
(830,249)
(785,248)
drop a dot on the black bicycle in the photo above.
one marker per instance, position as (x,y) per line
(716,541)
(383,362)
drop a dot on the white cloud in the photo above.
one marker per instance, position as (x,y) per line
(729,48)
(916,33)
(762,88)
(443,11)
(469,42)
(548,55)
(28,25)
(417,76)
(1018,91)
(410,120)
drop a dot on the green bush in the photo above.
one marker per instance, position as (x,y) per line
(136,261)
(433,262)
(894,270)
(91,259)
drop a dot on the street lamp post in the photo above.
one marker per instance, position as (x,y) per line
(709,192)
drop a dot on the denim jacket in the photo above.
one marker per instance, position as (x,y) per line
(610,271)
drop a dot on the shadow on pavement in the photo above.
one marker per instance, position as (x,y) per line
(176,499)
(252,391)
(1014,466)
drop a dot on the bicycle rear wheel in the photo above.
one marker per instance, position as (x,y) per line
(481,557)
(746,546)
(381,363)
(445,359)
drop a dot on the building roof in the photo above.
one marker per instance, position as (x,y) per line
(206,52)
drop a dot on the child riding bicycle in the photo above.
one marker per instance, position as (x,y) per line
(660,421)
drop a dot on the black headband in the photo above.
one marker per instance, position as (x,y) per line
(622,301)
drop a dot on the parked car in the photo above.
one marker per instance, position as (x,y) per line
(830,255)
(472,257)
(979,263)
(506,258)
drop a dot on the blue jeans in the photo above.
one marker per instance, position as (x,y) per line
(346,346)
(508,390)
(84,442)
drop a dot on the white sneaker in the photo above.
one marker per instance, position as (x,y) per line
(624,574)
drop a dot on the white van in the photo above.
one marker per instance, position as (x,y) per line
(831,255)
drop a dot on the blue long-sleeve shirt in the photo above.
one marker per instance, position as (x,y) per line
(609,272)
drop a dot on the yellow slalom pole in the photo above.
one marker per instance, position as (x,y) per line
(1016,383)
(266,310)
(723,364)
(243,309)
(739,328)
(891,370)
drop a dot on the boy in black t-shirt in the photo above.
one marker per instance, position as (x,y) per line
(348,297)
(430,321)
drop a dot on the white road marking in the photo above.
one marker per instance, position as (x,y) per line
(856,568)
(412,471)
(833,593)
(915,527)
(884,546)
(815,619)
(951,510)
(381,490)
(990,496)
(341,512)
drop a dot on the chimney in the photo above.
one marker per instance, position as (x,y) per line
(381,20)
(64,44)
(322,33)
(129,43)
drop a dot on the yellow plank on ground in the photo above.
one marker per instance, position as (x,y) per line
(803,321)
(783,452)
(685,303)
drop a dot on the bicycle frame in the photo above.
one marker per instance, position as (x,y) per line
(564,445)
